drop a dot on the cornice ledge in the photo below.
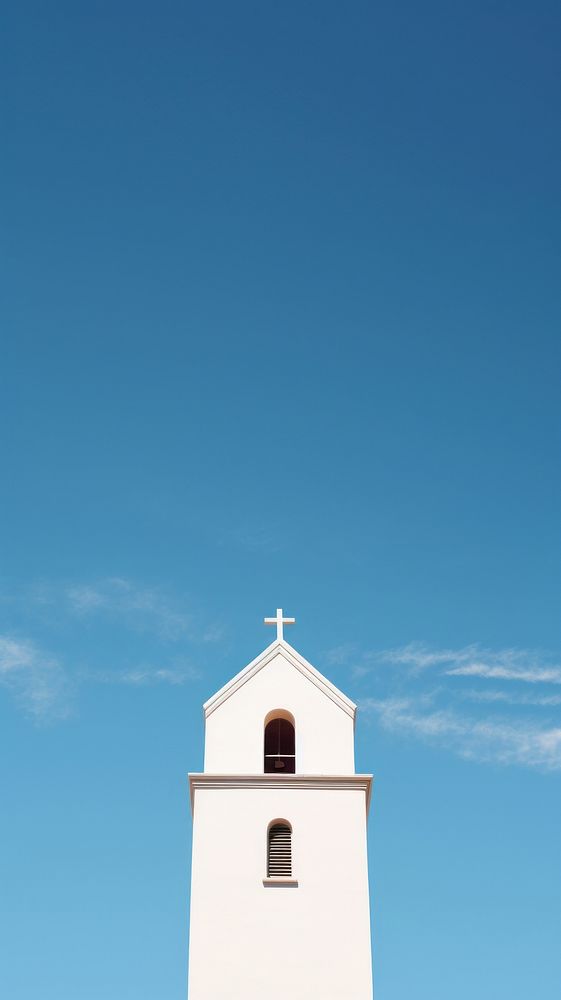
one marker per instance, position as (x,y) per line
(337,782)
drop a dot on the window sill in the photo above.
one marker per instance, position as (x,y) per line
(280,881)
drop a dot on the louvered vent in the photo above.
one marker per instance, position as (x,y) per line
(279,855)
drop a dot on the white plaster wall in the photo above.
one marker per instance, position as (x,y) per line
(234,731)
(251,942)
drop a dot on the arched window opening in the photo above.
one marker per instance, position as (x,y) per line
(280,755)
(279,850)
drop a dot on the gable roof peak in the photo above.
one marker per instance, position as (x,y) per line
(297,661)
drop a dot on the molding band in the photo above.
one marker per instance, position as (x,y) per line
(335,782)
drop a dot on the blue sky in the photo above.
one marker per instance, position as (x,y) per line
(281,327)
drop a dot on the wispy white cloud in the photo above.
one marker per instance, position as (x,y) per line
(418,656)
(36,680)
(143,608)
(119,601)
(420,691)
(340,655)
(214,633)
(47,687)
(530,675)
(15,656)
(511,698)
(146,675)
(485,740)
(509,664)
(264,538)
(142,676)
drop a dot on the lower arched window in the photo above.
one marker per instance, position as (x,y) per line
(279,850)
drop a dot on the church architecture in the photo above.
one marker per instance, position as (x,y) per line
(279,891)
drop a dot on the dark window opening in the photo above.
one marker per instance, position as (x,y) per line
(280,755)
(279,851)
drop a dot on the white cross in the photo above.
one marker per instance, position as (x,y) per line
(279,621)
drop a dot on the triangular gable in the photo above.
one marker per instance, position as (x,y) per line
(297,661)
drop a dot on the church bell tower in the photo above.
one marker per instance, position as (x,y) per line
(279,885)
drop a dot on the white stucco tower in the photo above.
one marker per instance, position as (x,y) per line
(279,890)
